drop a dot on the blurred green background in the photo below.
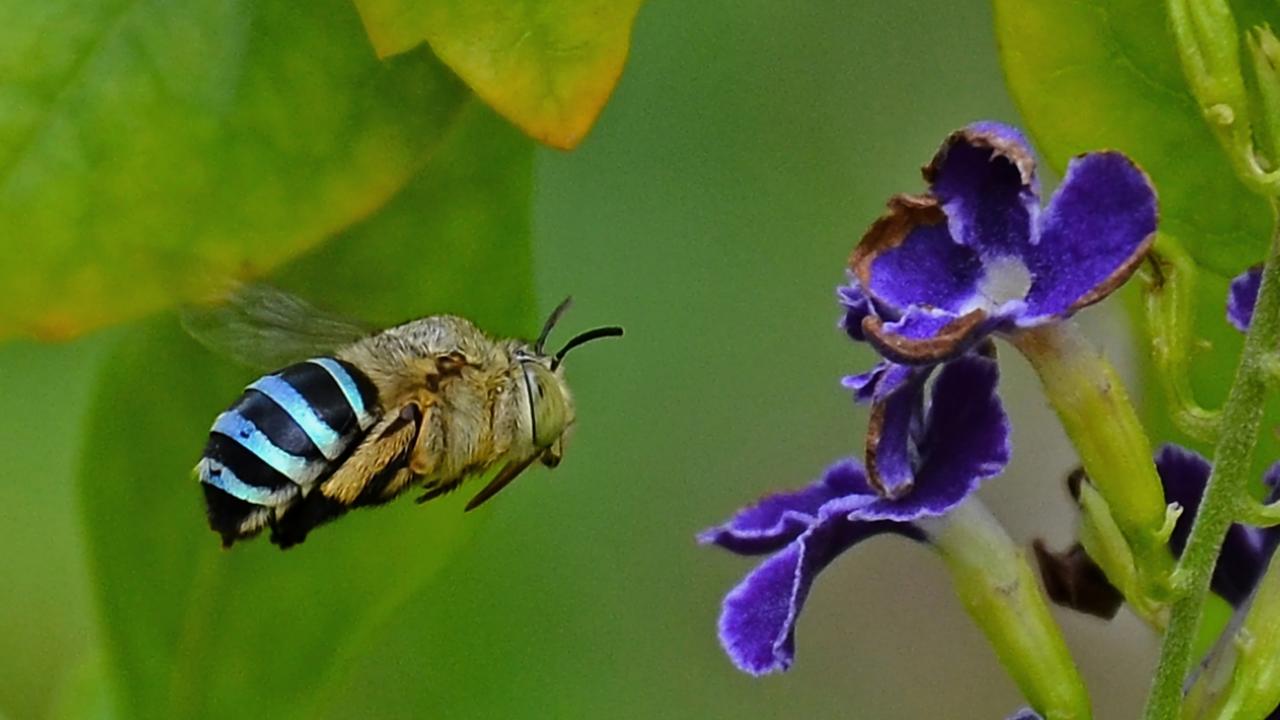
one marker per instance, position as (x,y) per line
(710,213)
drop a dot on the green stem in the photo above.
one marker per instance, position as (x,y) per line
(1224,496)
(1170,309)
(999,590)
(1101,422)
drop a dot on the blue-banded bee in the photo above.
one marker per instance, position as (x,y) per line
(434,400)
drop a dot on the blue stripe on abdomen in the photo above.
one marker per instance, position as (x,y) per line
(214,473)
(279,439)
(325,437)
(358,393)
(300,470)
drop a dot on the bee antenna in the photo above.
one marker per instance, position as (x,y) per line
(552,319)
(586,337)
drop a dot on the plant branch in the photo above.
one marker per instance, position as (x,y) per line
(1224,495)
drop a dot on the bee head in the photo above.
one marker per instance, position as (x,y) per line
(550,404)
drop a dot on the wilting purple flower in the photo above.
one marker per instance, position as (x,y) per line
(977,254)
(896,395)
(1243,297)
(961,439)
(1245,551)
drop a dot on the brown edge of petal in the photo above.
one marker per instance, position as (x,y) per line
(875,426)
(1117,278)
(916,352)
(890,230)
(1007,148)
(1135,260)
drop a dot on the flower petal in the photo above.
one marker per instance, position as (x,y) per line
(927,337)
(984,177)
(923,266)
(1242,297)
(757,622)
(965,441)
(864,384)
(1073,580)
(1092,236)
(894,428)
(1025,714)
(777,520)
(856,306)
(1245,550)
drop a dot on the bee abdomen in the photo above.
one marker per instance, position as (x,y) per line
(282,436)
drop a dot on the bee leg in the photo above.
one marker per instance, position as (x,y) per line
(292,527)
(436,488)
(386,485)
(429,447)
(385,448)
(504,477)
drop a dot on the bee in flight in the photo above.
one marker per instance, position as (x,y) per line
(370,414)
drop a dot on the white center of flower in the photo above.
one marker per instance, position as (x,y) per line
(1006,279)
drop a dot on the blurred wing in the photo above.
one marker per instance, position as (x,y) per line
(268,328)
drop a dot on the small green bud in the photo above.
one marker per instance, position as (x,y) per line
(1208,43)
(1255,683)
(1209,47)
(1106,544)
(1264,48)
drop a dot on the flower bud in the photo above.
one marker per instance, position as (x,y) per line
(1208,45)
(1265,51)
(1255,683)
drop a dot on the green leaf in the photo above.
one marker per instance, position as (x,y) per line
(547,65)
(193,631)
(86,692)
(149,149)
(1091,74)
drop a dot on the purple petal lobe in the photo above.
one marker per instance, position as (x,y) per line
(1092,236)
(1026,714)
(777,520)
(864,384)
(983,176)
(757,622)
(1242,297)
(926,336)
(927,269)
(894,428)
(856,306)
(1245,550)
(965,440)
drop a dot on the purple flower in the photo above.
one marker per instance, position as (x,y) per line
(896,395)
(1243,296)
(1026,714)
(1245,551)
(960,439)
(977,254)
(1073,580)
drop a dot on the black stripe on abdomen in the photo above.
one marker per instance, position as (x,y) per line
(323,394)
(282,437)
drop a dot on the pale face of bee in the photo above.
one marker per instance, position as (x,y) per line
(433,401)
(550,407)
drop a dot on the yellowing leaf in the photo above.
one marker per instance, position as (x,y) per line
(546,65)
(149,149)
